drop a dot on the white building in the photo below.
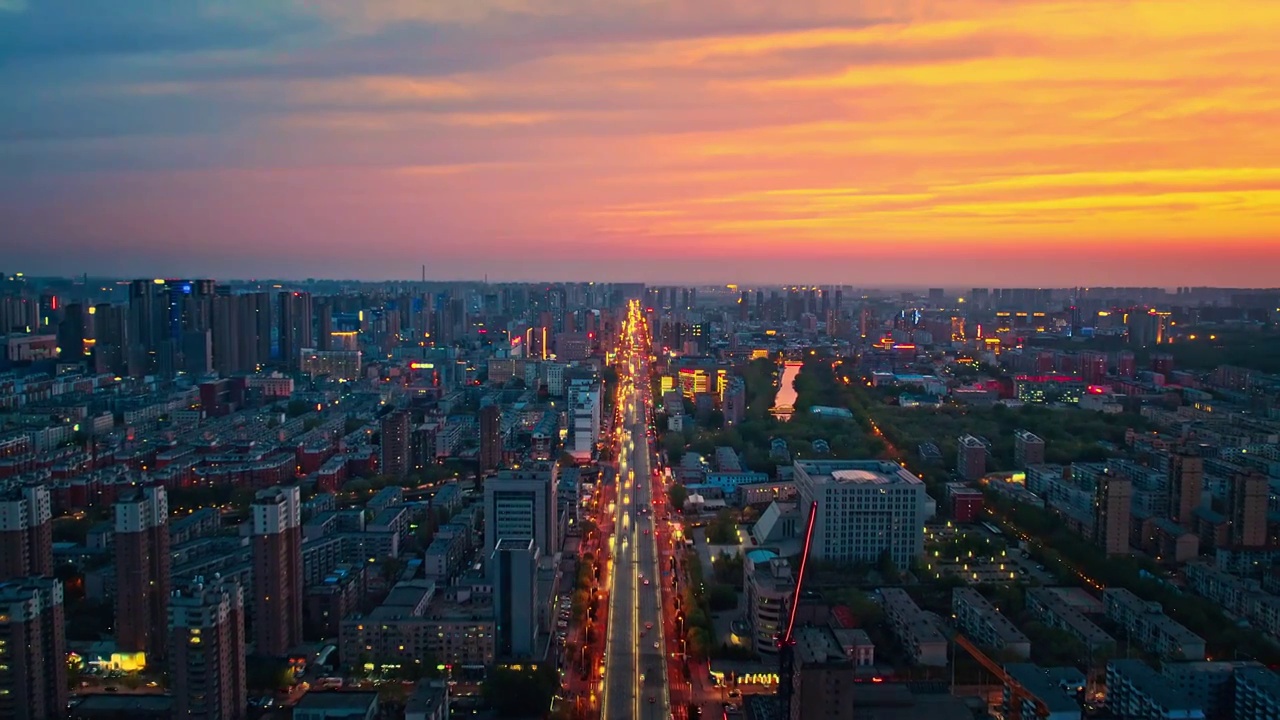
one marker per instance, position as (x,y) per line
(585,403)
(769,584)
(915,629)
(865,507)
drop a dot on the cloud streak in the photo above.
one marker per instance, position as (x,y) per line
(875,141)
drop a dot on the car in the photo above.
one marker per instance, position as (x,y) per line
(646,581)
(648,626)
(655,644)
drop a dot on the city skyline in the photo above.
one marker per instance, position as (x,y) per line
(872,143)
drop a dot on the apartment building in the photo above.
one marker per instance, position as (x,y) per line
(1042,693)
(982,623)
(1238,596)
(1257,694)
(916,629)
(1051,609)
(1137,692)
(1146,625)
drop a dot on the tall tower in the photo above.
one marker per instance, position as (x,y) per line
(490,437)
(295,326)
(394,450)
(142,570)
(1112,504)
(1247,497)
(515,583)
(33,650)
(26,534)
(277,570)
(206,650)
(1186,483)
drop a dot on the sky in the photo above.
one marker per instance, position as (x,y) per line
(869,142)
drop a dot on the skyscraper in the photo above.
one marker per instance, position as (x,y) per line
(1247,500)
(394,448)
(515,604)
(33,650)
(295,326)
(1186,483)
(490,437)
(1112,504)
(26,533)
(207,651)
(277,570)
(520,504)
(142,570)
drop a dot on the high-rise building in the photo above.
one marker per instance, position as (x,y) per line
(110,338)
(142,570)
(207,650)
(295,331)
(1028,450)
(520,504)
(71,333)
(33,650)
(1186,483)
(1126,364)
(1112,504)
(160,311)
(514,566)
(490,437)
(394,448)
(1247,499)
(1093,366)
(26,533)
(277,570)
(971,458)
(866,508)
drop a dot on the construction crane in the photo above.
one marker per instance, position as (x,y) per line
(1017,693)
(786,638)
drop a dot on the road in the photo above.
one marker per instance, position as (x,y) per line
(635,681)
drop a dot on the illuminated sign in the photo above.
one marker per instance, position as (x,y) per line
(422,366)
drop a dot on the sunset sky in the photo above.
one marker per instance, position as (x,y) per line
(869,142)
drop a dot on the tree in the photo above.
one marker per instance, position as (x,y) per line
(520,693)
(722,530)
(298,407)
(888,570)
(677,494)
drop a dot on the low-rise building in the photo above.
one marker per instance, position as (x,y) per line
(915,629)
(1042,693)
(1053,610)
(335,705)
(979,619)
(1146,624)
(1257,695)
(1136,691)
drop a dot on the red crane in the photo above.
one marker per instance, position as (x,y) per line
(786,639)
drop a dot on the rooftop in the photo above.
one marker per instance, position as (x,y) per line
(1048,684)
(338,700)
(1148,682)
(856,472)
